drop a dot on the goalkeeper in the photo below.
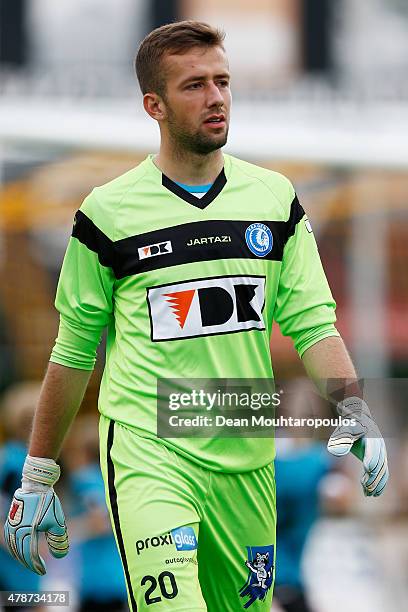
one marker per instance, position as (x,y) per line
(186,260)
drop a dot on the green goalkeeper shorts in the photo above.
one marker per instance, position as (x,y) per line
(189,538)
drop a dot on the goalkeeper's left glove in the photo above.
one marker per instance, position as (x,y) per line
(365,441)
(36,508)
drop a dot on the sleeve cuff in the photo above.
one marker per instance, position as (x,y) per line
(77,365)
(75,347)
(313,336)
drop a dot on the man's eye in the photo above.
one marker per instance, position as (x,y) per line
(224,83)
(194,85)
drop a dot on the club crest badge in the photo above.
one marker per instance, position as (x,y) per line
(259,239)
(260,574)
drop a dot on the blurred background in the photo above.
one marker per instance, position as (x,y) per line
(321,94)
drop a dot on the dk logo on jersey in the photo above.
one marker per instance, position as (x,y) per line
(205,307)
(152,250)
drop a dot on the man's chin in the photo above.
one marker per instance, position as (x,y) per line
(209,145)
(200,143)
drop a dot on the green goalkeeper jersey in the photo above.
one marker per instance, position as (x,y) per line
(188,288)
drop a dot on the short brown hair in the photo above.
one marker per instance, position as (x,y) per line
(173,38)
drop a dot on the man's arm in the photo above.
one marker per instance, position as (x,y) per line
(85,302)
(305,311)
(329,365)
(61,395)
(327,360)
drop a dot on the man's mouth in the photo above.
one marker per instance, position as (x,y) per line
(217,120)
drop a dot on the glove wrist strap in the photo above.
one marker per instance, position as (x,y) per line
(353,407)
(39,471)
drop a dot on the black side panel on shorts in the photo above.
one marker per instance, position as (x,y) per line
(115,512)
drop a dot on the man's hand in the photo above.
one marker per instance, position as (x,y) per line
(30,514)
(365,441)
(36,508)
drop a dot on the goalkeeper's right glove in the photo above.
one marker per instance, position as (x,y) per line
(35,508)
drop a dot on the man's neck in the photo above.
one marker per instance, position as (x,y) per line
(189,168)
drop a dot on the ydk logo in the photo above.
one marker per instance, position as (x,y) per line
(206,307)
(161,248)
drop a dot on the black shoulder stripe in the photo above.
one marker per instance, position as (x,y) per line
(208,240)
(92,237)
(296,214)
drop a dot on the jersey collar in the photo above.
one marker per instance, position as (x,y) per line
(188,197)
(211,194)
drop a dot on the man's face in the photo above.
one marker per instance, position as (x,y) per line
(198,99)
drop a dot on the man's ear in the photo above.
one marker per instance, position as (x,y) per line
(154,106)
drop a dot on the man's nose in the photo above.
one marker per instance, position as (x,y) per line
(214,96)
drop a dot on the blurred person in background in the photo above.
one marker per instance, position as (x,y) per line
(99,576)
(16,413)
(300,466)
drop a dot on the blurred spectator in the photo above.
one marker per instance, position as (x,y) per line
(300,466)
(100,580)
(345,557)
(17,411)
